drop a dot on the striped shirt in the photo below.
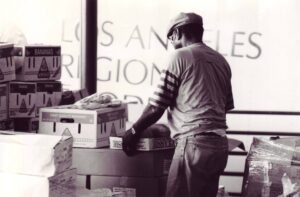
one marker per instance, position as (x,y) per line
(166,90)
(195,87)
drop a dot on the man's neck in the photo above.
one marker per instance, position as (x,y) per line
(188,43)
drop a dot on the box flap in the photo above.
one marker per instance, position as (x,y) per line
(234,143)
(31,139)
(35,154)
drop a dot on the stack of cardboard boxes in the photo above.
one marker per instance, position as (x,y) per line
(38,67)
(97,153)
(36,165)
(144,174)
(7,74)
(29,80)
(268,163)
(32,164)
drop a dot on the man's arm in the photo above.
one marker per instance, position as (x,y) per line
(163,97)
(229,100)
(150,115)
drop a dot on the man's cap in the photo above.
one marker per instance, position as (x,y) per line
(184,19)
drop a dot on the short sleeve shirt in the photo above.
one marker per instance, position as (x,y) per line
(195,88)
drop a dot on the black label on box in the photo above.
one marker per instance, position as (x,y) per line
(42,51)
(111,116)
(49,87)
(6,52)
(22,88)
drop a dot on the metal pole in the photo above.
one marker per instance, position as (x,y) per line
(88,75)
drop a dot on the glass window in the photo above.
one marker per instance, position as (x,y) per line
(131,46)
(259,39)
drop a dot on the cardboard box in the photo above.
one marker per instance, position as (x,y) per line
(283,150)
(112,162)
(90,128)
(135,186)
(7,63)
(35,154)
(48,94)
(38,63)
(18,185)
(263,189)
(3,102)
(26,124)
(145,144)
(22,99)
(150,144)
(268,173)
(268,160)
(81,181)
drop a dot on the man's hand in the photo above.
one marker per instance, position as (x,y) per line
(149,116)
(129,142)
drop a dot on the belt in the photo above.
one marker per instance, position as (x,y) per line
(197,134)
(207,134)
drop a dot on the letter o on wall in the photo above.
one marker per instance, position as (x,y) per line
(136,75)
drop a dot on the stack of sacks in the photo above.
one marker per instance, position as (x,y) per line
(270,161)
(37,85)
(7,74)
(36,165)
(90,120)
(143,174)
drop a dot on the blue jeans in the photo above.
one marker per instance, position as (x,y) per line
(196,167)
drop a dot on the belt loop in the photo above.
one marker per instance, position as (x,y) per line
(184,145)
(176,142)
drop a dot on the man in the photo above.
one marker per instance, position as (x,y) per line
(195,88)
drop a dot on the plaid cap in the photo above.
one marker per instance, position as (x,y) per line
(183,19)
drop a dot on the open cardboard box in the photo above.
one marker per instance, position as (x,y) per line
(90,128)
(19,185)
(34,154)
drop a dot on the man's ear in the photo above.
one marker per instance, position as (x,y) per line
(179,33)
